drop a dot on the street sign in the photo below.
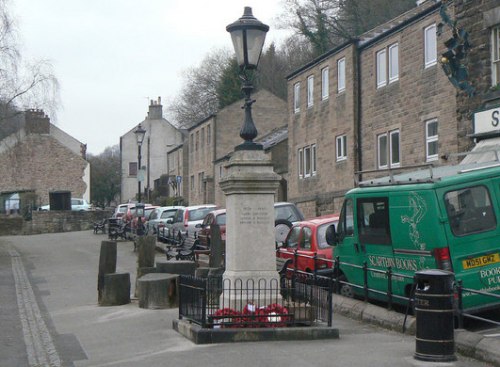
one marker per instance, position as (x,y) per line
(141,174)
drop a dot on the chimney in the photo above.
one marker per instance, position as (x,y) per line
(37,122)
(155,110)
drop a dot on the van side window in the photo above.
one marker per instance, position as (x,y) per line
(305,242)
(469,210)
(346,221)
(373,221)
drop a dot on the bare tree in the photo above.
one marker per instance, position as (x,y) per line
(199,97)
(23,85)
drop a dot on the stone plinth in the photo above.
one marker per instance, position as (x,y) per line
(250,188)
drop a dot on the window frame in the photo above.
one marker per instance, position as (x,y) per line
(393,74)
(495,55)
(296,97)
(431,139)
(341,142)
(313,160)
(307,162)
(385,153)
(300,162)
(381,66)
(310,91)
(131,170)
(325,80)
(341,79)
(430,41)
(391,150)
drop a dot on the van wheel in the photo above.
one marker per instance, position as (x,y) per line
(281,229)
(345,289)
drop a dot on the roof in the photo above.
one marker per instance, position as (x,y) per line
(368,38)
(329,218)
(274,137)
(433,175)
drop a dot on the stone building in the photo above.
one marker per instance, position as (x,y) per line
(215,137)
(161,136)
(36,158)
(383,102)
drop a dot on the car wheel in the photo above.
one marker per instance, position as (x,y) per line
(281,229)
(345,289)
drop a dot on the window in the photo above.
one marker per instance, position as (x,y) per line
(301,163)
(495,56)
(341,148)
(209,135)
(310,91)
(373,221)
(197,140)
(306,158)
(324,83)
(430,47)
(387,64)
(431,140)
(307,162)
(132,168)
(296,97)
(393,63)
(469,210)
(388,150)
(191,180)
(346,220)
(202,139)
(341,75)
(200,181)
(381,69)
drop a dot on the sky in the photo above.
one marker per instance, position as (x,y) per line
(111,57)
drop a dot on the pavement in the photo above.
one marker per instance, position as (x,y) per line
(49,317)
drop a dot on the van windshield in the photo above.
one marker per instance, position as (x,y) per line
(469,210)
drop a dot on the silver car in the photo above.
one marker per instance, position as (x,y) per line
(158,219)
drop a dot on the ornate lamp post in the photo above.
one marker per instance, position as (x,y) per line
(248,35)
(139,136)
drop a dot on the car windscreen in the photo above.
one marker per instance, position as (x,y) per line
(199,214)
(221,219)
(168,214)
(287,212)
(321,235)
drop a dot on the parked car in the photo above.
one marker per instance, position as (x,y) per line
(204,229)
(285,215)
(159,217)
(121,210)
(77,204)
(308,238)
(185,221)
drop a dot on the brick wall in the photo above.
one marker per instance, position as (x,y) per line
(40,163)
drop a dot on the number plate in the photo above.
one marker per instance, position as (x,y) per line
(481,261)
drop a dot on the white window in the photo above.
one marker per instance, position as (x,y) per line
(307,162)
(324,83)
(495,56)
(381,68)
(341,148)
(431,140)
(430,47)
(393,63)
(388,150)
(313,159)
(341,75)
(296,97)
(310,91)
(300,161)
(306,158)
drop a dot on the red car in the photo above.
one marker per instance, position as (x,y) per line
(309,237)
(216,216)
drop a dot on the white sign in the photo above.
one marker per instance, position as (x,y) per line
(141,174)
(487,121)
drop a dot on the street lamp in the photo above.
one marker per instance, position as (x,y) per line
(248,35)
(139,136)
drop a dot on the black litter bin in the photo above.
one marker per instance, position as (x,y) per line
(434,312)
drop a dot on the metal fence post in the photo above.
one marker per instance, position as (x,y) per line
(337,274)
(460,304)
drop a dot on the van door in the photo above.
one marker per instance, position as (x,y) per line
(473,238)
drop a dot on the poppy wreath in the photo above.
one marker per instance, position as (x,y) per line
(275,315)
(226,318)
(253,317)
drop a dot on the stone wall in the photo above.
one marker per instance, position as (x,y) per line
(51,222)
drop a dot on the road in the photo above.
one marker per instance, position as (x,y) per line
(50,317)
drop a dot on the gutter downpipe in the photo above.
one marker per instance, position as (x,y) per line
(358,113)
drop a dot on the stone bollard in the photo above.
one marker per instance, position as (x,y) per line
(146,251)
(116,289)
(184,267)
(158,291)
(107,264)
(141,272)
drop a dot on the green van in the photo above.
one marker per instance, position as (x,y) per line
(445,218)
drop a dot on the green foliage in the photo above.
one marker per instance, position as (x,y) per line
(105,178)
(229,86)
